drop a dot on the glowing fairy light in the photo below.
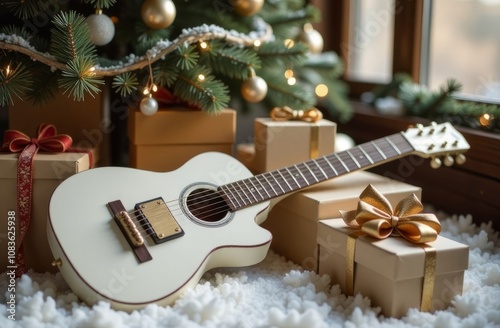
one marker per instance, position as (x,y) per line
(321,90)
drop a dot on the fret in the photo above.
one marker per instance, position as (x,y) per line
(319,166)
(354,159)
(331,166)
(360,157)
(269,183)
(342,162)
(365,153)
(309,169)
(295,180)
(230,196)
(284,179)
(255,188)
(245,194)
(393,145)
(378,149)
(264,188)
(303,177)
(278,183)
(250,191)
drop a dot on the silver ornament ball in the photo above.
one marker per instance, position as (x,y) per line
(102,29)
(148,106)
(254,89)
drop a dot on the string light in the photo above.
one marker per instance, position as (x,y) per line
(201,77)
(321,90)
(292,81)
(7,70)
(203,45)
(288,73)
(485,119)
(257,43)
(289,43)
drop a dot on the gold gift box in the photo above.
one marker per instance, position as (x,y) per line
(293,221)
(50,169)
(168,139)
(391,271)
(283,143)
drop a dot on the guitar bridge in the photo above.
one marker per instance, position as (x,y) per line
(158,221)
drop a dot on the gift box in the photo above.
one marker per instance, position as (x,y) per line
(293,221)
(87,122)
(49,170)
(166,140)
(283,143)
(391,271)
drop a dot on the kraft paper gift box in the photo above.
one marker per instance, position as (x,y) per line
(168,139)
(283,143)
(293,221)
(390,271)
(87,122)
(50,169)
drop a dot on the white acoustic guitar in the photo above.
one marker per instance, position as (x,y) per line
(133,237)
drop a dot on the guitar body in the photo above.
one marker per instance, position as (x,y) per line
(97,260)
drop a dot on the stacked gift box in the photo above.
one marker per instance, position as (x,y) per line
(307,228)
(172,136)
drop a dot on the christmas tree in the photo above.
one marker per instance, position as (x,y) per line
(205,54)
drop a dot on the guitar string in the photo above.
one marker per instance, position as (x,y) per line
(217,194)
(223,209)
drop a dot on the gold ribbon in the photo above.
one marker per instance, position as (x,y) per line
(285,113)
(375,217)
(310,115)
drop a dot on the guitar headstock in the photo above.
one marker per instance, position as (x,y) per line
(438,141)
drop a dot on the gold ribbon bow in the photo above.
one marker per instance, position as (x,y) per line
(285,113)
(375,217)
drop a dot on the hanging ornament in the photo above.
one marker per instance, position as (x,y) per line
(247,7)
(254,89)
(158,14)
(102,29)
(311,38)
(149,105)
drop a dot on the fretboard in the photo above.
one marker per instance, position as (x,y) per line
(269,185)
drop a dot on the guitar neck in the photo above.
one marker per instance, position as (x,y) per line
(269,185)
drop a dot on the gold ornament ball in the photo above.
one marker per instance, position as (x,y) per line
(312,39)
(247,7)
(158,14)
(254,89)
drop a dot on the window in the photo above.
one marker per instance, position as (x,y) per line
(464,43)
(432,40)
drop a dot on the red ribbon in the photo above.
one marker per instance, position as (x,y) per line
(14,141)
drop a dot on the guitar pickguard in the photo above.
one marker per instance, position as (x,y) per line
(157,220)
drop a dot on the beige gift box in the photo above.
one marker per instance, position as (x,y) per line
(168,139)
(294,220)
(50,169)
(391,271)
(87,122)
(283,143)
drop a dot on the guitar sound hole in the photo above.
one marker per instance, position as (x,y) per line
(207,205)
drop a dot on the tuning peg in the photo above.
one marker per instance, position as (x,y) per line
(443,129)
(420,128)
(448,160)
(433,124)
(444,144)
(435,163)
(460,159)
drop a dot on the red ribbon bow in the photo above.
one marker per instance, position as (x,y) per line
(47,139)
(14,141)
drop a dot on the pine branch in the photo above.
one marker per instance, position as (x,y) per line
(45,86)
(187,57)
(277,53)
(280,93)
(208,94)
(15,81)
(233,62)
(78,79)
(125,83)
(71,37)
(101,4)
(27,9)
